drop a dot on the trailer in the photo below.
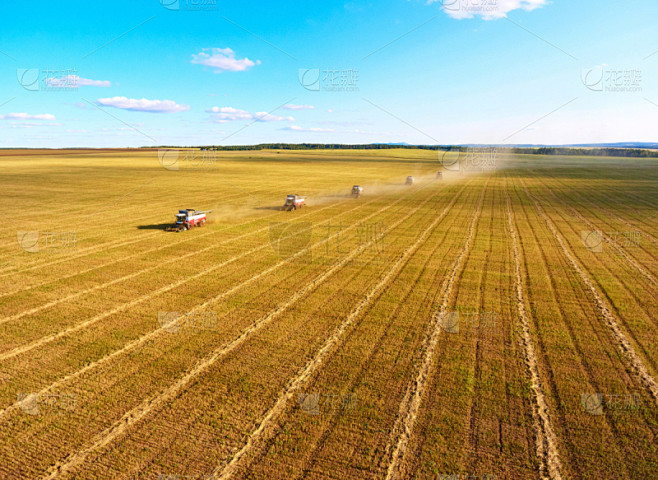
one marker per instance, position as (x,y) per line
(410,180)
(357,191)
(189,218)
(293,202)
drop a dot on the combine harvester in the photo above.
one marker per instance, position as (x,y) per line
(357,191)
(439,175)
(293,202)
(410,180)
(188,218)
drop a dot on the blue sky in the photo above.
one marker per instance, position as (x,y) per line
(197,72)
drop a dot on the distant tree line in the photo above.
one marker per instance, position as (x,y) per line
(574,151)
(322,146)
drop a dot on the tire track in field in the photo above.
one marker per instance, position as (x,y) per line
(474,409)
(144,409)
(630,260)
(151,335)
(635,362)
(265,428)
(547,451)
(160,264)
(410,405)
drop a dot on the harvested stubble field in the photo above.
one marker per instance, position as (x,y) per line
(494,324)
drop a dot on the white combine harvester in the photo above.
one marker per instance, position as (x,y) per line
(410,180)
(293,202)
(188,218)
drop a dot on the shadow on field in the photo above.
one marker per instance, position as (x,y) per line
(268,208)
(160,226)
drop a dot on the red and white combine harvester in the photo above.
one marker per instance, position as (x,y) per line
(188,218)
(293,202)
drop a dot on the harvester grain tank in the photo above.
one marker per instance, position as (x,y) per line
(357,191)
(410,180)
(188,218)
(293,202)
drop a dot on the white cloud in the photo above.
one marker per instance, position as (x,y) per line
(297,128)
(487,9)
(222,60)
(143,105)
(73,81)
(25,116)
(290,106)
(230,114)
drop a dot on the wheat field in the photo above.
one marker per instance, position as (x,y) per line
(500,322)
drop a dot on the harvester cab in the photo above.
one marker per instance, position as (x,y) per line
(410,180)
(188,218)
(293,202)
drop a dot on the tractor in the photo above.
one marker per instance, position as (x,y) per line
(410,180)
(293,202)
(357,191)
(188,218)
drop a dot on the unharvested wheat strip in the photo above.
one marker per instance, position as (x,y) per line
(136,255)
(630,260)
(82,325)
(101,286)
(88,250)
(408,410)
(81,253)
(636,363)
(547,450)
(296,383)
(144,409)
